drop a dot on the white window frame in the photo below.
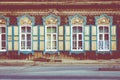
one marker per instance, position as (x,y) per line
(103,38)
(1,39)
(25,38)
(51,38)
(77,38)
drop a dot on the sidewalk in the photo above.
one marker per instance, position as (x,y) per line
(64,62)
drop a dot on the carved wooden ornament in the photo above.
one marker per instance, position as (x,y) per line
(76,21)
(51,21)
(25,20)
(104,20)
(3,21)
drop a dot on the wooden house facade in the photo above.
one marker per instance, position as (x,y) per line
(86,29)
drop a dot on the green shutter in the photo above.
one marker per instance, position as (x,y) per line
(113,38)
(87,38)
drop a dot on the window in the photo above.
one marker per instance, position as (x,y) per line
(77,38)
(103,38)
(104,24)
(25,39)
(25,23)
(2,38)
(51,23)
(77,24)
(51,38)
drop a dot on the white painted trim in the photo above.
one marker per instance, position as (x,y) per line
(103,38)
(1,39)
(51,38)
(25,38)
(77,38)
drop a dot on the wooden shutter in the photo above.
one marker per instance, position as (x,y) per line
(35,37)
(10,38)
(94,38)
(87,38)
(42,39)
(60,38)
(16,38)
(67,38)
(113,38)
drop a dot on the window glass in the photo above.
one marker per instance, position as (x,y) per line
(2,38)
(29,29)
(28,36)
(51,38)
(53,30)
(25,37)
(79,29)
(77,36)
(3,29)
(23,29)
(103,39)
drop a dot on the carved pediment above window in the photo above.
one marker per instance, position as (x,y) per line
(104,20)
(51,21)
(76,21)
(3,21)
(25,20)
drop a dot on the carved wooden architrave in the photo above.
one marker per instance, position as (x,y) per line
(103,21)
(77,21)
(25,20)
(2,21)
(51,20)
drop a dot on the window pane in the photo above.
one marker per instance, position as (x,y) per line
(3,29)
(106,37)
(74,36)
(74,44)
(106,29)
(3,44)
(100,45)
(28,36)
(48,37)
(100,36)
(48,30)
(23,29)
(101,29)
(29,29)
(79,29)
(22,44)
(54,37)
(80,45)
(53,44)
(28,44)
(106,44)
(53,30)
(74,29)
(23,37)
(48,44)
(80,36)
(3,37)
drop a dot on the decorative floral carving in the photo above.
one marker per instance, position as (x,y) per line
(104,20)
(77,21)
(2,21)
(51,21)
(25,20)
